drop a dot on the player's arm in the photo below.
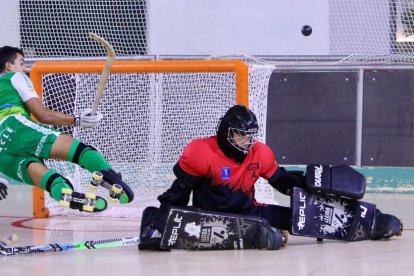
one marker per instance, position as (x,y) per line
(56,118)
(189,171)
(278,177)
(48,116)
(179,192)
(284,180)
(24,87)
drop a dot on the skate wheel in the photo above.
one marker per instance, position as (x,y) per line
(92,186)
(64,203)
(97,176)
(67,191)
(116,188)
(90,196)
(123,198)
(112,199)
(87,208)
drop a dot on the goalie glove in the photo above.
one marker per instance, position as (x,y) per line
(3,188)
(87,120)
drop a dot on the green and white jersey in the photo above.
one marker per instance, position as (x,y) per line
(22,141)
(15,89)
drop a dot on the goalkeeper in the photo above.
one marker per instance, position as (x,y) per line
(25,144)
(221,172)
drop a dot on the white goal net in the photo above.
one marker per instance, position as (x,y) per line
(360,31)
(148,119)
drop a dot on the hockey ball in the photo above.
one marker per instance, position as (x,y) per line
(306,30)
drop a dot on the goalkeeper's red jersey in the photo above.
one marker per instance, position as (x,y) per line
(227,186)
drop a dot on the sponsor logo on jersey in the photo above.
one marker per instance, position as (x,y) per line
(253,167)
(225,173)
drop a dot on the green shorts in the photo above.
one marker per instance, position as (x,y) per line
(23,141)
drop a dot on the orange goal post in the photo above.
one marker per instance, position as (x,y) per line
(151,109)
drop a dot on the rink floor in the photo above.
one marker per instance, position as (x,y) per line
(303,256)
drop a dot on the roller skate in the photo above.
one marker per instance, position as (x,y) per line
(385,226)
(112,181)
(83,202)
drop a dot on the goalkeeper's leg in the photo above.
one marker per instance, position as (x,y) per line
(226,231)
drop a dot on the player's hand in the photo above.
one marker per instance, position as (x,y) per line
(3,189)
(87,120)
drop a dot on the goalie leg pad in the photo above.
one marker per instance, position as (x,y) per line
(330,216)
(195,229)
(340,180)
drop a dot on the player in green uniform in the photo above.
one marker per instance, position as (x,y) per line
(25,144)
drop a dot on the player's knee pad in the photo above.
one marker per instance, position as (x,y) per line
(77,149)
(339,180)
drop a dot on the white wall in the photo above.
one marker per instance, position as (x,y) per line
(220,27)
(9,27)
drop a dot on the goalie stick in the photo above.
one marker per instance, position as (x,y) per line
(106,71)
(62,247)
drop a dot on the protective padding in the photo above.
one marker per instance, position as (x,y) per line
(204,230)
(339,180)
(330,216)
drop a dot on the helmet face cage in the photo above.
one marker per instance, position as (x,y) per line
(242,140)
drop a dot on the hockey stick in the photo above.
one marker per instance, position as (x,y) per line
(106,71)
(62,247)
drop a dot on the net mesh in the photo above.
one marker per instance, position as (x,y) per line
(357,31)
(148,120)
(57,28)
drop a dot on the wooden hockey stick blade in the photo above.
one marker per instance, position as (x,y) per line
(9,240)
(64,247)
(106,71)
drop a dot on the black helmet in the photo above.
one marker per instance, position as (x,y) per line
(237,131)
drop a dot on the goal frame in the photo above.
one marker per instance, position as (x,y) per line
(238,67)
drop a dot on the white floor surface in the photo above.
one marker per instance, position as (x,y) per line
(303,256)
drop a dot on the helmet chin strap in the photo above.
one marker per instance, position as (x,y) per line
(230,151)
